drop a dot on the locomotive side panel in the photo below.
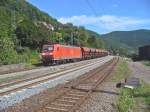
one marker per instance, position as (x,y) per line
(67,52)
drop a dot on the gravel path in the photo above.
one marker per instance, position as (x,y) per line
(140,71)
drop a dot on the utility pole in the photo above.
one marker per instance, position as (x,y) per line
(13,20)
(14,26)
(72,39)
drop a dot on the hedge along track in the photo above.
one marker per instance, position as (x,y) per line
(78,92)
(26,83)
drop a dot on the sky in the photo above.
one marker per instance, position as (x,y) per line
(101,16)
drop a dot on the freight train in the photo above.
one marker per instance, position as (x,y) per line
(57,53)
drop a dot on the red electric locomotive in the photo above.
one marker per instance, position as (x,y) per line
(57,53)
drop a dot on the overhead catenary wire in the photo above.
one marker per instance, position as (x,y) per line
(91,7)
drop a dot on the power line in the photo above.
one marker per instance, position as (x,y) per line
(13,19)
(91,7)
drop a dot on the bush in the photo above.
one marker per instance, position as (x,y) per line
(8,57)
(35,58)
(146,62)
(7,53)
(126,101)
(143,92)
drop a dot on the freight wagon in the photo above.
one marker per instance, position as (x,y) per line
(144,52)
(57,53)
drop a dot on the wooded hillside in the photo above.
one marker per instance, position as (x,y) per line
(25,28)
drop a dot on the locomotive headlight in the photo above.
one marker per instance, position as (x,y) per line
(50,53)
(43,54)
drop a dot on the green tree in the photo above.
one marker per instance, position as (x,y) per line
(7,53)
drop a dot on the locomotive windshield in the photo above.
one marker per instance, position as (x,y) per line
(48,48)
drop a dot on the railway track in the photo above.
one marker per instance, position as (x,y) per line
(42,69)
(78,91)
(29,82)
(7,69)
(32,78)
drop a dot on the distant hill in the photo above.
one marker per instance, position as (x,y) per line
(127,39)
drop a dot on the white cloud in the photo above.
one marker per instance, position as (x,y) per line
(105,22)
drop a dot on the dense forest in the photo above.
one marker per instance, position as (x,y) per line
(24,29)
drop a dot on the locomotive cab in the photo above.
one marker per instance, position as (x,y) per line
(56,53)
(47,53)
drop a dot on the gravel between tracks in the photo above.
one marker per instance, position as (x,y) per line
(34,102)
(103,100)
(29,104)
(39,71)
(48,69)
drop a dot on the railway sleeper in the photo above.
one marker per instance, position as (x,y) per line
(70,101)
(70,98)
(61,104)
(77,92)
(87,90)
(76,95)
(64,102)
(56,109)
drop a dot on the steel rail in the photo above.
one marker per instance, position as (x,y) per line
(50,77)
(54,105)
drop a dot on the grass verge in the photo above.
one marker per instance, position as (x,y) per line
(146,62)
(122,70)
(141,96)
(125,101)
(137,99)
(6,79)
